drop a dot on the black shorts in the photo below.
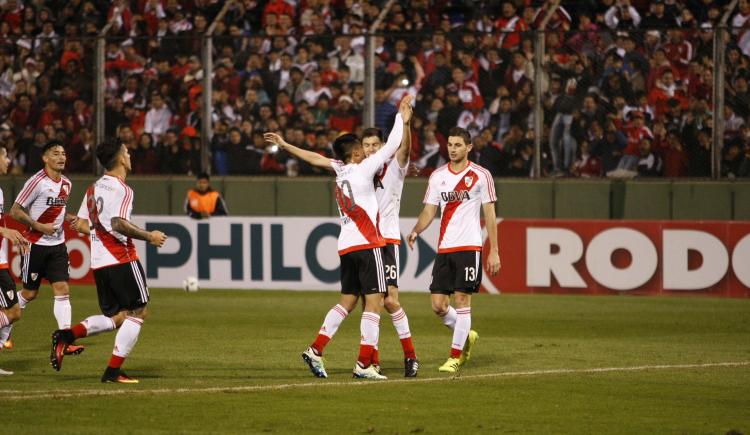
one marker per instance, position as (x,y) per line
(121,287)
(8,296)
(390,261)
(457,271)
(362,272)
(49,262)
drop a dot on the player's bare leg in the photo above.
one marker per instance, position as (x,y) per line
(8,316)
(24,297)
(401,323)
(370,330)
(313,356)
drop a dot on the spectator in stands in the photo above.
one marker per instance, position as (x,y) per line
(586,165)
(745,166)
(489,154)
(343,119)
(650,163)
(202,201)
(145,158)
(157,120)
(676,158)
(305,59)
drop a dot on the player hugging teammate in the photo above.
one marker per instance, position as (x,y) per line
(368,194)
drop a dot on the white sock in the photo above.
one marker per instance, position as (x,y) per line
(9,328)
(22,302)
(449,319)
(369,327)
(127,336)
(333,320)
(63,311)
(463,326)
(98,324)
(401,323)
(4,334)
(5,328)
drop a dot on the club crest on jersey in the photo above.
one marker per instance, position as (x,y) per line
(34,276)
(66,189)
(468,181)
(10,294)
(454,196)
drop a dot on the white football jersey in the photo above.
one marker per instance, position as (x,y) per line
(460,196)
(108,197)
(3,240)
(46,200)
(389,183)
(355,196)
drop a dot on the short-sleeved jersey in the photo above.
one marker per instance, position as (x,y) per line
(3,240)
(356,200)
(389,183)
(107,198)
(46,201)
(460,196)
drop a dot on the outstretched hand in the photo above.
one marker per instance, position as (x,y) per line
(405,108)
(274,139)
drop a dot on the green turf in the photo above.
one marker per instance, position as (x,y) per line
(239,340)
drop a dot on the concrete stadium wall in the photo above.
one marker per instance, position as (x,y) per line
(518,198)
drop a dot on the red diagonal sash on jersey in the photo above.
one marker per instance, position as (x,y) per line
(50,215)
(122,252)
(381,175)
(451,207)
(359,216)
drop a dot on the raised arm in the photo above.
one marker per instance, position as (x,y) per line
(395,138)
(402,155)
(310,157)
(423,221)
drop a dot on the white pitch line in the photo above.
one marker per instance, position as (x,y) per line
(46,394)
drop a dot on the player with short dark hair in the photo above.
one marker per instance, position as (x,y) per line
(389,183)
(41,206)
(360,242)
(461,188)
(10,312)
(120,281)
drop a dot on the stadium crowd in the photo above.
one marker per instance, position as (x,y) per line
(627,83)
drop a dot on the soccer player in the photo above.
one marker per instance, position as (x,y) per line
(120,281)
(389,183)
(461,188)
(360,242)
(41,206)
(10,312)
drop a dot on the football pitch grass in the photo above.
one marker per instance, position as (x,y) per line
(229,362)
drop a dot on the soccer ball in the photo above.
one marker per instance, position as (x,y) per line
(190,284)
